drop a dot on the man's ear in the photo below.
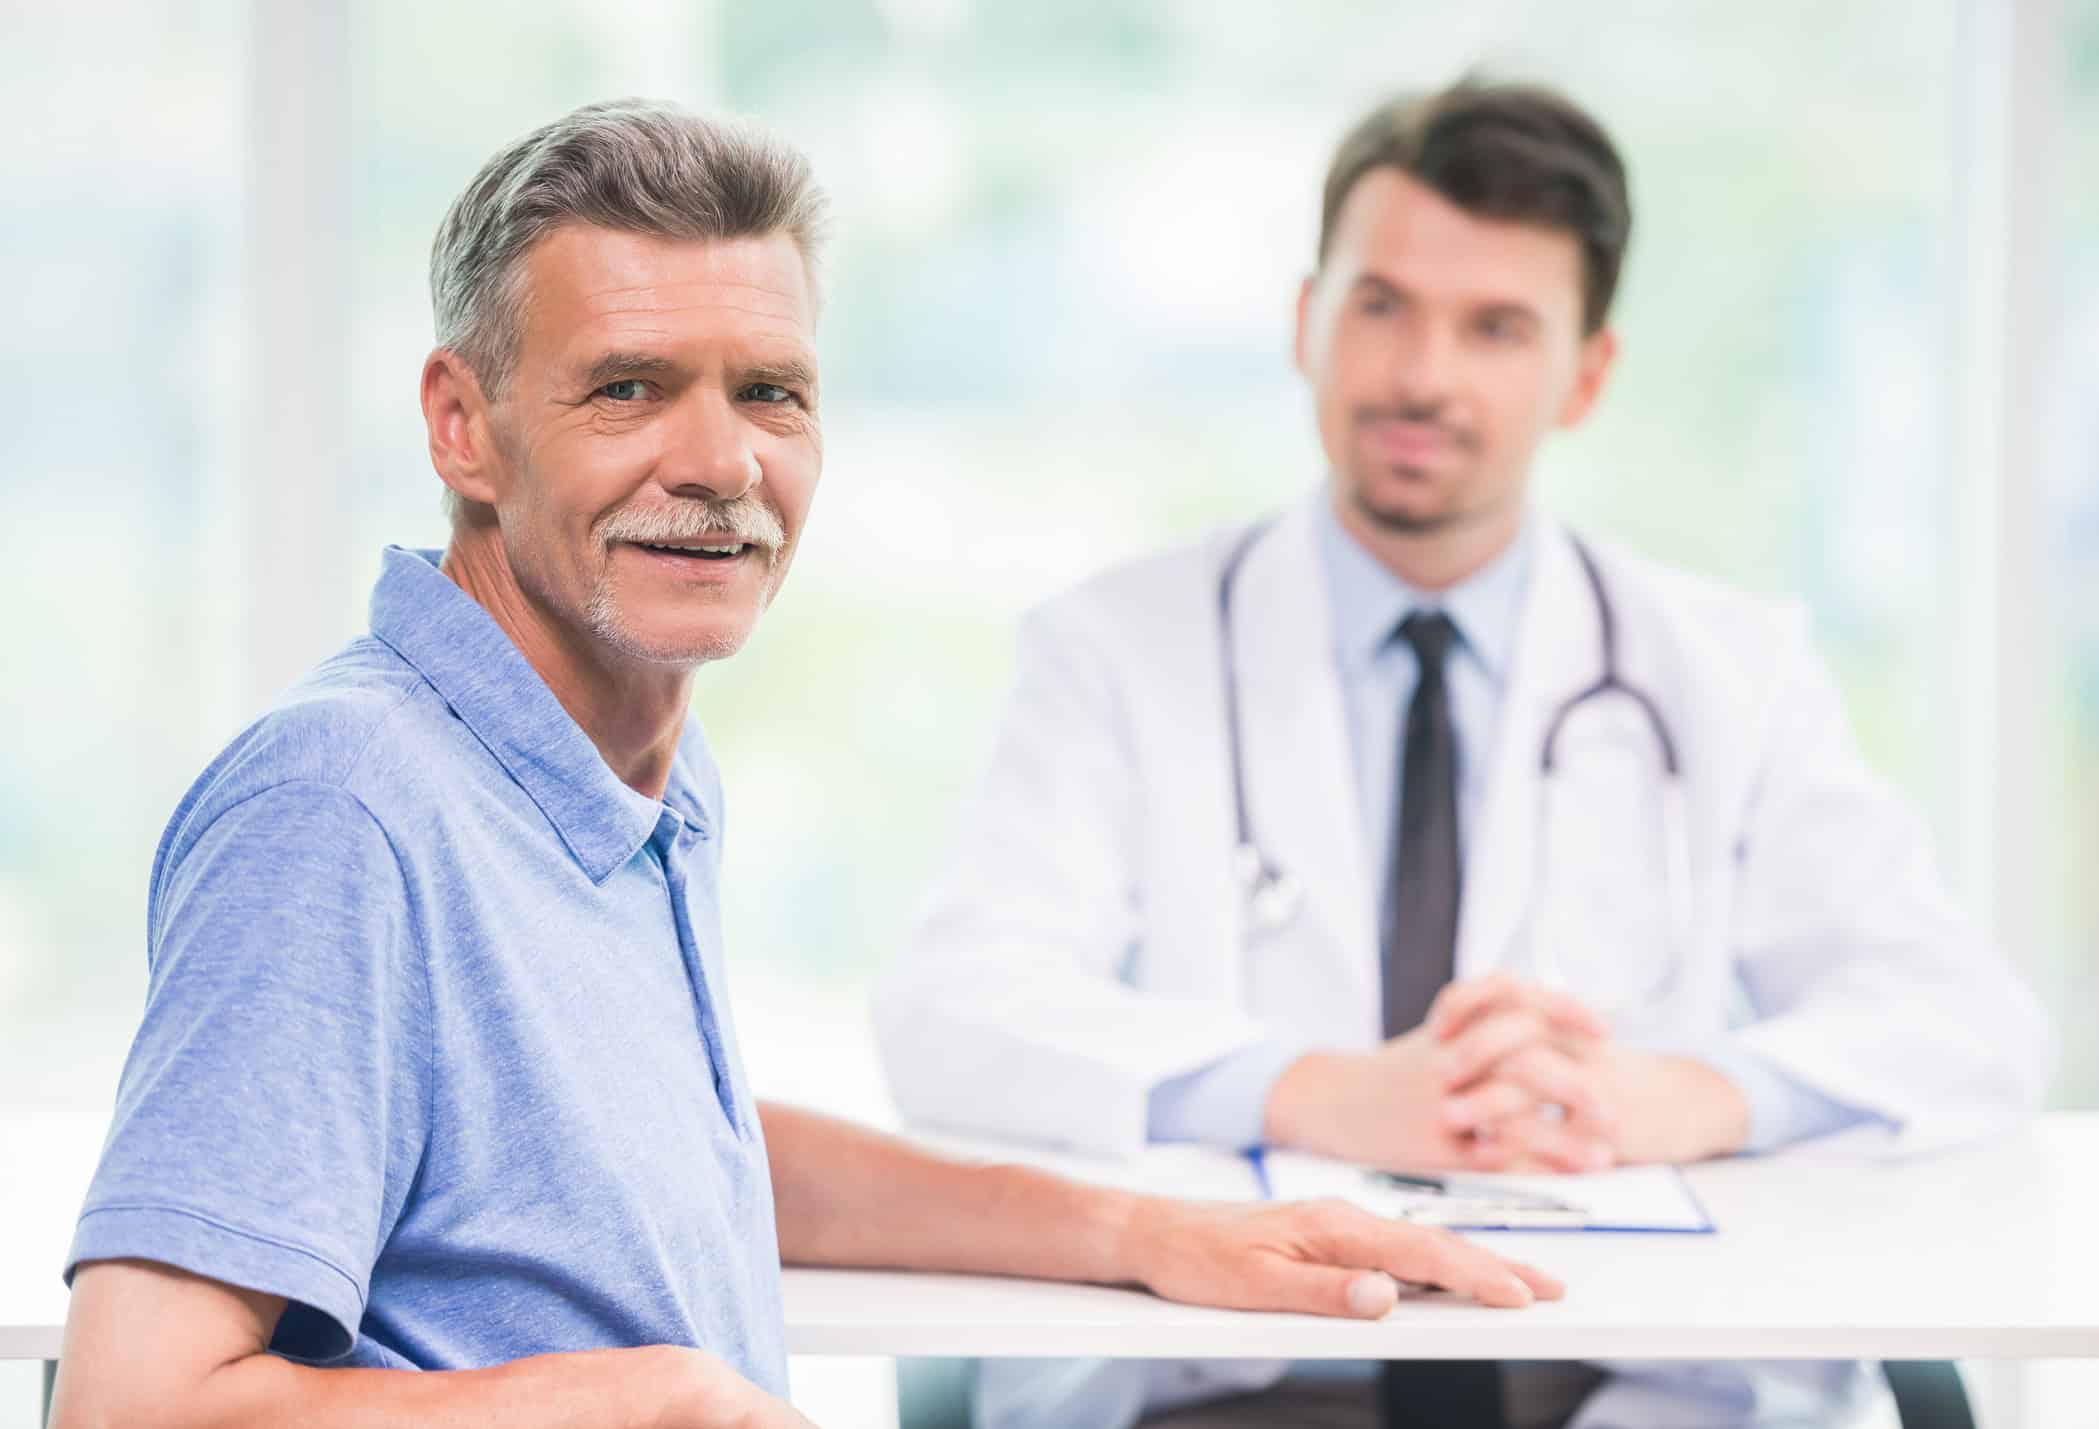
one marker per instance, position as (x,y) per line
(1300,343)
(1592,370)
(456,416)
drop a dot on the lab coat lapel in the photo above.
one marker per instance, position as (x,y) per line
(1301,786)
(1557,652)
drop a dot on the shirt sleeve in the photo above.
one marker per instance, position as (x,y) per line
(1782,1108)
(273,1109)
(1864,977)
(1224,1103)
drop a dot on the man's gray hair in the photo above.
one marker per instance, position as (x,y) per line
(640,166)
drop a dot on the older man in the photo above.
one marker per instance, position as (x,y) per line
(435,1071)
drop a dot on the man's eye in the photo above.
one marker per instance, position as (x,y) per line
(770,393)
(627,389)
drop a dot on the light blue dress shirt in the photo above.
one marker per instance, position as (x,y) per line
(1223,1104)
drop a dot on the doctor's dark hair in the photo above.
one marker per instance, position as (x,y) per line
(1517,153)
(636,165)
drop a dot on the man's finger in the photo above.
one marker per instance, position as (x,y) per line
(1438,1257)
(1490,1153)
(1474,1052)
(1543,1284)
(1537,1076)
(1488,1104)
(1461,1004)
(1505,1158)
(1428,1255)
(1536,1143)
(1568,1014)
(1349,1292)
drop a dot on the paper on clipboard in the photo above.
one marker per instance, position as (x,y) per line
(1629,1199)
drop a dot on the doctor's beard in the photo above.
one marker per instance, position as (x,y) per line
(1430,498)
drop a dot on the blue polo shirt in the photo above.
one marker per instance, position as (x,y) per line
(436,1044)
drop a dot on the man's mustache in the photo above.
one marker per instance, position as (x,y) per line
(743,519)
(1420,414)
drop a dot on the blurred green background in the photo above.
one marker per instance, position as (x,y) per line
(1067,242)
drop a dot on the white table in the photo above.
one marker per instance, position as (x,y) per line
(1991,1252)
(1988,1253)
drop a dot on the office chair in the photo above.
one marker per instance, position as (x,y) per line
(934,1393)
(1929,1394)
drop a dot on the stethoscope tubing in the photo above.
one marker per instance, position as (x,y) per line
(1273,894)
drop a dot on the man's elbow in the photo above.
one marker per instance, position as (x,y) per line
(116,1400)
(148,1344)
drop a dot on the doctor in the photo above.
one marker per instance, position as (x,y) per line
(1412,827)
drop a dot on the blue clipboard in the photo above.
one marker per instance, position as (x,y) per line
(1257,1162)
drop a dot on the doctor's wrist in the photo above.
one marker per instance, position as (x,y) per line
(1678,1109)
(1301,1103)
(1725,1119)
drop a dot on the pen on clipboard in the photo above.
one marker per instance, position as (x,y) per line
(1469,1191)
(1257,1159)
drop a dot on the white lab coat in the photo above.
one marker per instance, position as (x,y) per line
(1089,939)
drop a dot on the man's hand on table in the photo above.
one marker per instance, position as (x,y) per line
(1512,1081)
(1315,1257)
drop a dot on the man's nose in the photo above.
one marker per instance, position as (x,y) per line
(1424,364)
(712,452)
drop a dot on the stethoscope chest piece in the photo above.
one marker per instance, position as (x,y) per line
(1272,896)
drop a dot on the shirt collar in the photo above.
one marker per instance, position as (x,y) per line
(1369,601)
(484,679)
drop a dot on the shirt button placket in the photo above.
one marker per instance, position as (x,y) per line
(674,839)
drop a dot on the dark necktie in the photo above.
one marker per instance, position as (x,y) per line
(1419,958)
(1421,934)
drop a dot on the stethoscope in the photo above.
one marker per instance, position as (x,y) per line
(1273,896)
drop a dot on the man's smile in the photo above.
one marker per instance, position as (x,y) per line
(696,550)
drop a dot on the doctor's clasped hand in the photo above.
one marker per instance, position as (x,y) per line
(1524,1099)
(1424,1101)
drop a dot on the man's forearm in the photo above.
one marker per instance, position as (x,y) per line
(849,1196)
(658,1387)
